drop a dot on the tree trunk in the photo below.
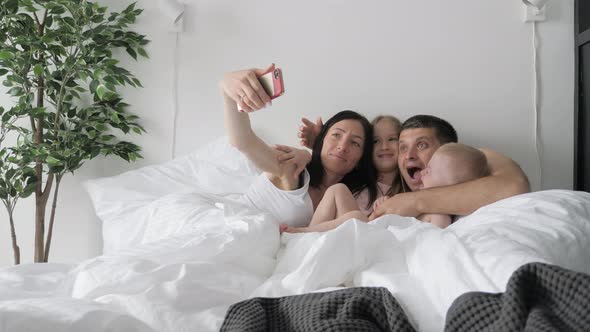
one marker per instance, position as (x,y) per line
(40,194)
(39,227)
(15,248)
(52,218)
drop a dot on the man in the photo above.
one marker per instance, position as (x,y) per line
(420,137)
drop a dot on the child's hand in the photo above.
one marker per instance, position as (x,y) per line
(292,156)
(284,228)
(308,132)
(379,201)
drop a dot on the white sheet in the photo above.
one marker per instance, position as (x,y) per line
(207,253)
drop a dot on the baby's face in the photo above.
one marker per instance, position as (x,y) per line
(437,172)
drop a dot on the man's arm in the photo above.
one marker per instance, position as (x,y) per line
(506,179)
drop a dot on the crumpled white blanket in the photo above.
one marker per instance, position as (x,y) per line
(208,253)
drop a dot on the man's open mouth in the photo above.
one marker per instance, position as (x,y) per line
(413,171)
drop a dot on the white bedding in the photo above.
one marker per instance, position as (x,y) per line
(195,254)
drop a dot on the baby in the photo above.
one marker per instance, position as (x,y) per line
(452,163)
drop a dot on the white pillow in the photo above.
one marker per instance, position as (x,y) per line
(481,251)
(551,226)
(119,201)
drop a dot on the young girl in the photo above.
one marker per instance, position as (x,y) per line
(339,204)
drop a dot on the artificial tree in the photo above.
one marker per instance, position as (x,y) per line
(58,63)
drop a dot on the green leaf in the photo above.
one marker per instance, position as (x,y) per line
(129,8)
(9,174)
(110,95)
(70,21)
(58,10)
(38,111)
(93,85)
(88,10)
(48,21)
(47,39)
(131,52)
(16,91)
(3,71)
(115,118)
(52,161)
(142,52)
(75,94)
(12,6)
(6,55)
(100,90)
(111,87)
(38,69)
(98,74)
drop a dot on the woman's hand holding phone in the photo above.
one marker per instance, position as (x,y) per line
(245,89)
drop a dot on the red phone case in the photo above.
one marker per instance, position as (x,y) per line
(272,82)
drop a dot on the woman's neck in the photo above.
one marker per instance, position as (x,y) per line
(330,179)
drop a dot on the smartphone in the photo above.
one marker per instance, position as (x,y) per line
(272,82)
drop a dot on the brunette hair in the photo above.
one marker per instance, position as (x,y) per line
(363,175)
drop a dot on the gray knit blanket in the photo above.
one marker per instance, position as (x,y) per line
(538,297)
(361,309)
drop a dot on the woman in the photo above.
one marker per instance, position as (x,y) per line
(341,154)
(386,129)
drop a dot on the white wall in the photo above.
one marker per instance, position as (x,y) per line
(469,62)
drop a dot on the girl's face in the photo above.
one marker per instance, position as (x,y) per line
(343,147)
(385,148)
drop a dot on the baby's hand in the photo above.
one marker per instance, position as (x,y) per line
(379,201)
(292,156)
(283,228)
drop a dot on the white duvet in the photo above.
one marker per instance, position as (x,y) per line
(193,253)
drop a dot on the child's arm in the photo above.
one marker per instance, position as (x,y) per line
(440,220)
(327,225)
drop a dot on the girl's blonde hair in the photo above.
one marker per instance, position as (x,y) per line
(396,122)
(397,185)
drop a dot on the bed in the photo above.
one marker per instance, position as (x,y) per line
(179,251)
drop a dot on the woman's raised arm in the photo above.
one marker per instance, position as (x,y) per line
(242,88)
